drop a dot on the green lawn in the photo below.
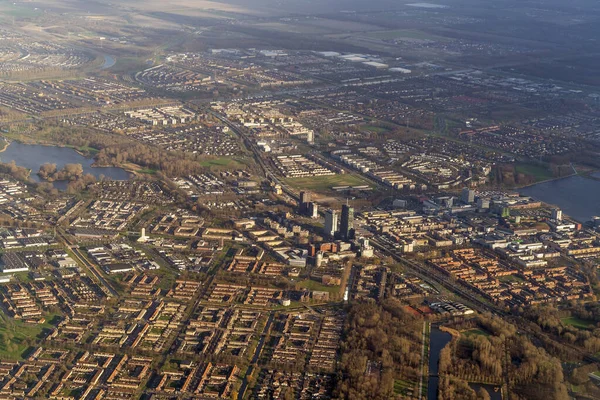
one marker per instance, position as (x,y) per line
(325,183)
(577,323)
(404,34)
(17,336)
(403,387)
(228,162)
(540,173)
(92,151)
(11,9)
(314,285)
(510,279)
(475,332)
(375,128)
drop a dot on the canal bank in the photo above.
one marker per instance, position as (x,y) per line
(438,339)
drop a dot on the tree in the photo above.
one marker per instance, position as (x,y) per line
(47,170)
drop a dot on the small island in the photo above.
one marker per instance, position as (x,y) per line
(70,172)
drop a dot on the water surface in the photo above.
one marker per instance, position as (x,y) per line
(437,341)
(33,156)
(577,196)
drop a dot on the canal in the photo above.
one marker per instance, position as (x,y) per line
(437,341)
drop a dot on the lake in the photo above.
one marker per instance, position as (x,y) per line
(32,156)
(576,196)
(109,61)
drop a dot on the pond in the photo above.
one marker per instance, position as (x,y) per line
(32,156)
(109,61)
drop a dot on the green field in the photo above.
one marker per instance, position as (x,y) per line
(403,387)
(325,183)
(404,34)
(375,128)
(475,332)
(540,173)
(17,336)
(314,285)
(221,162)
(91,151)
(510,279)
(577,323)
(10,9)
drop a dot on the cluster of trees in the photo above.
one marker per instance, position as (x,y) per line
(507,175)
(454,388)
(502,355)
(580,376)
(381,343)
(476,358)
(550,318)
(12,169)
(118,150)
(588,157)
(81,183)
(70,172)
(534,374)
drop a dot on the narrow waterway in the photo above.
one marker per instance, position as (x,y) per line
(437,341)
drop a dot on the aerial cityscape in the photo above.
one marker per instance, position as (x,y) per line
(296,199)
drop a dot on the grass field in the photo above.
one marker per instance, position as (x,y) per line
(148,171)
(10,9)
(17,336)
(313,285)
(577,323)
(510,279)
(325,183)
(475,332)
(375,128)
(403,387)
(404,34)
(539,172)
(221,162)
(91,151)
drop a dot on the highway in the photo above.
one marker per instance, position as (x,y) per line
(269,173)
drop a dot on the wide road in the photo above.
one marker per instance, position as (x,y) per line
(269,173)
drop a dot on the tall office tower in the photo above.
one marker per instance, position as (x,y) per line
(557,214)
(310,137)
(331,223)
(313,210)
(304,201)
(305,197)
(468,196)
(347,222)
